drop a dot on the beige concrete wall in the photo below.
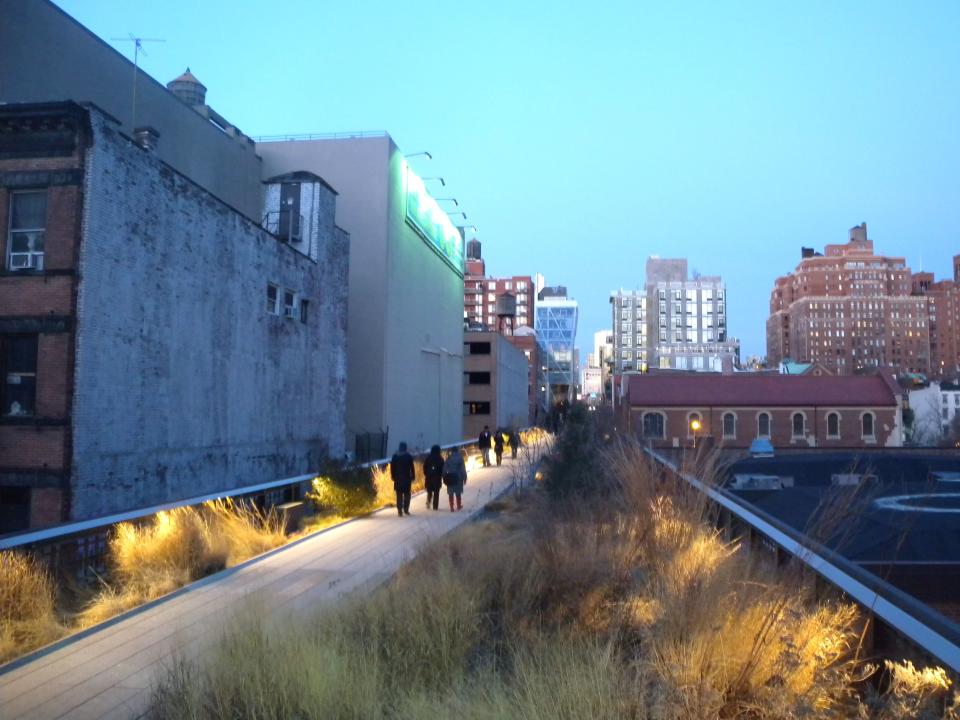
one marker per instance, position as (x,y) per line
(405,316)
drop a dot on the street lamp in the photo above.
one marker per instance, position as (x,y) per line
(458,213)
(453,200)
(695,426)
(422,152)
(442,181)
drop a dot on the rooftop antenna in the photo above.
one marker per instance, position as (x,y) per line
(137,49)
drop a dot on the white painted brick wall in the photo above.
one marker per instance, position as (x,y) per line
(184,383)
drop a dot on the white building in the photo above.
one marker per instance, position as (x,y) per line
(405,310)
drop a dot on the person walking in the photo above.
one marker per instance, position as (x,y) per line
(498,446)
(483,442)
(455,477)
(402,472)
(433,475)
(514,443)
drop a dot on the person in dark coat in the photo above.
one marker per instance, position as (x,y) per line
(498,446)
(433,475)
(514,443)
(402,472)
(455,477)
(483,442)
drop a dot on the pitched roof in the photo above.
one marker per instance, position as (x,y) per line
(760,390)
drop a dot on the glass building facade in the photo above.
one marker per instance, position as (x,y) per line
(556,328)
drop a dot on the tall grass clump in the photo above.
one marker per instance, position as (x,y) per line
(614,598)
(176,547)
(28,616)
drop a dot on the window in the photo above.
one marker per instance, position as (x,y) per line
(798,425)
(476,408)
(476,378)
(28,221)
(833,425)
(729,425)
(18,368)
(273,296)
(653,426)
(289,304)
(478,348)
(304,308)
(866,423)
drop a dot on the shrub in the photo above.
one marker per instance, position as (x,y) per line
(345,491)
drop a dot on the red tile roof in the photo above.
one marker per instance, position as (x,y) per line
(758,390)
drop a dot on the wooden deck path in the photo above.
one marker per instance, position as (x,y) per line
(108,673)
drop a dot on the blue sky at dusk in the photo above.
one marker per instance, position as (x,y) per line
(581,138)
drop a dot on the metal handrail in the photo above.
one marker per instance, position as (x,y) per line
(63,530)
(322,136)
(925,627)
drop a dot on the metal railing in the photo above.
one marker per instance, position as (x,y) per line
(323,136)
(915,621)
(79,548)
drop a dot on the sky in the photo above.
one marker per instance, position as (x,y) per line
(580,138)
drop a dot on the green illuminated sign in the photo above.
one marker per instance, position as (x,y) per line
(431,222)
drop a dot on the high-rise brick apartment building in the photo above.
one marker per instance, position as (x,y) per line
(850,310)
(481,294)
(943,309)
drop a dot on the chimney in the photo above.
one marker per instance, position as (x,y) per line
(146,137)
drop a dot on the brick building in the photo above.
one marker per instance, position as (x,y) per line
(850,310)
(792,411)
(482,294)
(156,344)
(943,310)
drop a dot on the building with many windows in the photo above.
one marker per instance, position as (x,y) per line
(483,296)
(943,310)
(556,328)
(675,323)
(850,310)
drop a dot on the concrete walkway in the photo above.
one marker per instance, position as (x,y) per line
(108,673)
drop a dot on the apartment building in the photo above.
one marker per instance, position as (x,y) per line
(484,304)
(675,322)
(850,310)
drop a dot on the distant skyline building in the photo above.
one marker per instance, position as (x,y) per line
(675,322)
(852,310)
(556,327)
(943,310)
(483,297)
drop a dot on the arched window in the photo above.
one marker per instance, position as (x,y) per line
(866,423)
(763,425)
(653,426)
(694,424)
(729,425)
(833,425)
(798,425)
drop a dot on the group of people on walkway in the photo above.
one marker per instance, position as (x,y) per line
(437,472)
(496,439)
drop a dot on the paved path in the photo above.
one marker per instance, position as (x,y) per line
(108,673)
